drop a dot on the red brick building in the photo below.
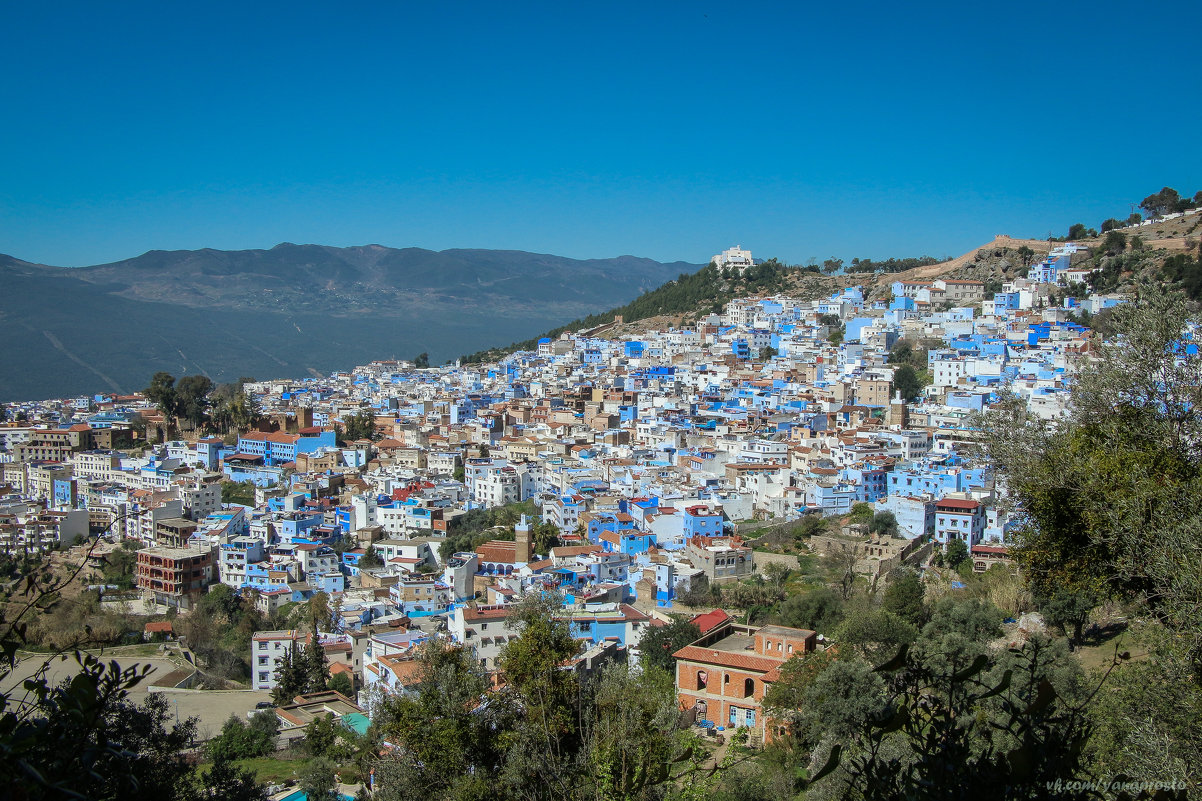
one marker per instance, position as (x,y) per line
(723,676)
(175,576)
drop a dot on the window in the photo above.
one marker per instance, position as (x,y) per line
(262,676)
(262,646)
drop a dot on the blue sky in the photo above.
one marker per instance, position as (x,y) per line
(667,130)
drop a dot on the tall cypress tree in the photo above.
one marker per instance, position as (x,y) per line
(315,673)
(291,677)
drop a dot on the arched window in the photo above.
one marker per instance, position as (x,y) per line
(702,678)
(748,688)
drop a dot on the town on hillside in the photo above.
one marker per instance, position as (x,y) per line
(636,481)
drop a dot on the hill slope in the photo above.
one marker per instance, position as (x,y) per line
(291,310)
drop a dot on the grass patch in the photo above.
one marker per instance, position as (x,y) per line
(274,769)
(1099,650)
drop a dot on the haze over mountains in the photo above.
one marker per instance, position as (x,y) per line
(289,311)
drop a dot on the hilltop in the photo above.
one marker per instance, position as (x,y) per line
(1157,250)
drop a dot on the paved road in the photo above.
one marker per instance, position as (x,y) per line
(212,707)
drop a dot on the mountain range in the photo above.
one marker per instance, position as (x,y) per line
(288,311)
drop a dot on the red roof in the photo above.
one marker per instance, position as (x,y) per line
(710,620)
(955,503)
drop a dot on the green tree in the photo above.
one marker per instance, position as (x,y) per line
(1163,202)
(907,382)
(1077,231)
(421,360)
(884,524)
(162,393)
(820,609)
(317,780)
(85,738)
(239,492)
(546,738)
(904,597)
(875,634)
(956,553)
(658,644)
(192,401)
(861,514)
(631,735)
(316,671)
(449,744)
(341,683)
(1067,608)
(291,678)
(241,741)
(1111,498)
(370,558)
(1115,242)
(361,425)
(224,781)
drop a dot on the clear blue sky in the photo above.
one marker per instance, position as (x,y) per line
(668,130)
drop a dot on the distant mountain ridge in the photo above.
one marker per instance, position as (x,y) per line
(290,310)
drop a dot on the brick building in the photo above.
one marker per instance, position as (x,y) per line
(723,676)
(175,576)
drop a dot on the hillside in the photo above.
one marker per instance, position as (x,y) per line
(292,310)
(684,300)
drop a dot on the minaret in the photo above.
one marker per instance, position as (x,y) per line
(521,539)
(898,413)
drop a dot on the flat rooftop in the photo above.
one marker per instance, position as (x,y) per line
(733,642)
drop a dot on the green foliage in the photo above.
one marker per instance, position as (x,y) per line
(820,609)
(84,738)
(1184,271)
(956,553)
(700,593)
(884,524)
(1163,202)
(370,558)
(317,781)
(706,288)
(239,492)
(1145,717)
(658,644)
(1067,608)
(341,683)
(120,565)
(904,597)
(945,717)
(324,736)
(361,425)
(907,382)
(631,735)
(161,392)
(809,525)
(291,677)
(224,781)
(468,531)
(875,634)
(421,360)
(1111,498)
(1115,242)
(443,735)
(861,514)
(241,741)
